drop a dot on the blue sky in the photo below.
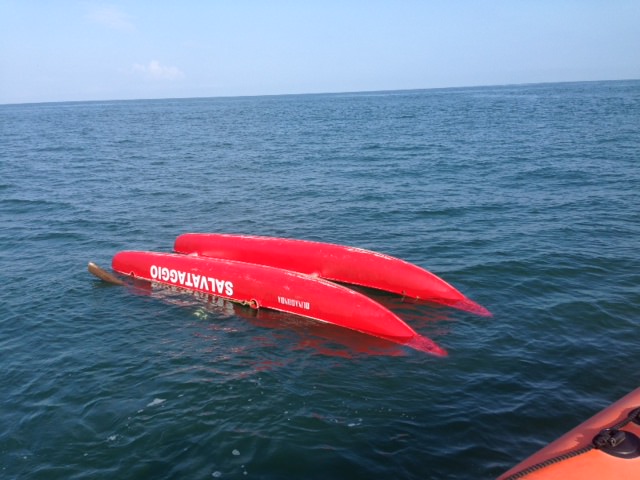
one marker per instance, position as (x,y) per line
(90,50)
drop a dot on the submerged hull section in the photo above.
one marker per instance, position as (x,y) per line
(260,286)
(332,262)
(607,446)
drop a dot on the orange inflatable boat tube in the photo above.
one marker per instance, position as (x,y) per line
(607,446)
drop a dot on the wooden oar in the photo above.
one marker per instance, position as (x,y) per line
(103,274)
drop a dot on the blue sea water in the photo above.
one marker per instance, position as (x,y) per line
(526,198)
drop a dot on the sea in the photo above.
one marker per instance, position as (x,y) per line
(526,198)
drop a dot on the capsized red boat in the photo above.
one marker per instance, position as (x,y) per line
(260,286)
(605,447)
(332,262)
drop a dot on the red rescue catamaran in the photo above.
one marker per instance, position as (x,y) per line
(332,262)
(261,286)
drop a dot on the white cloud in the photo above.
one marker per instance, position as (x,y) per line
(111,17)
(157,71)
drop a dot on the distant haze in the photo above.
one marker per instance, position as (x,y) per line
(86,50)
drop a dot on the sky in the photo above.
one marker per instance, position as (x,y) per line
(70,50)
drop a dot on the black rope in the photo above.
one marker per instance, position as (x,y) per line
(550,461)
(634,416)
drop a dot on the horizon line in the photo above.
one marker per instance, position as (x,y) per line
(345,92)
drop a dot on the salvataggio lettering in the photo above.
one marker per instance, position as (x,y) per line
(192,280)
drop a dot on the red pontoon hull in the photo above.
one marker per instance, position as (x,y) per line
(332,262)
(261,286)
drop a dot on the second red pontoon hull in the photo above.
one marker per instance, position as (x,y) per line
(332,262)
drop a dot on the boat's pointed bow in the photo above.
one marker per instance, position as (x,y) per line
(467,305)
(425,344)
